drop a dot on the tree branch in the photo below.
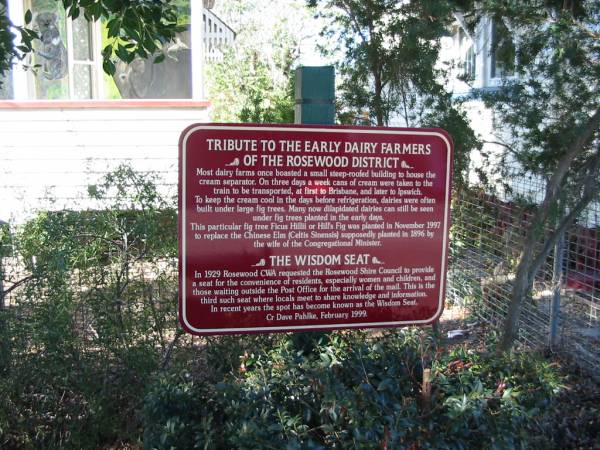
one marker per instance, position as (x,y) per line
(587,31)
(590,184)
(576,147)
(17,284)
(564,165)
(502,144)
(348,10)
(169,352)
(405,105)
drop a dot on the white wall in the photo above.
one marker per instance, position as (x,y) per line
(63,150)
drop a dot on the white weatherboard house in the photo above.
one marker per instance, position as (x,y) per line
(475,60)
(65,126)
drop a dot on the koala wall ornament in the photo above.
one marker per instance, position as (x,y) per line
(53,51)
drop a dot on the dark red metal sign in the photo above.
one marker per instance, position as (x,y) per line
(299,228)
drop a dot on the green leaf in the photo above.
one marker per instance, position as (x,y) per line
(109,67)
(28,17)
(107,51)
(160,58)
(131,33)
(74,12)
(150,45)
(114,27)
(122,53)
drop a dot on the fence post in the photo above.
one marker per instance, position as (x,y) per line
(315,105)
(557,281)
(315,95)
(2,225)
(1,285)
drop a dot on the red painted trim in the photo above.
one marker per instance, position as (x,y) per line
(101,104)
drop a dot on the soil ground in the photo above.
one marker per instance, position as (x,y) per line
(575,416)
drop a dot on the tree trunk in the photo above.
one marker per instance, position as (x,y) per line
(519,293)
(1,287)
(529,262)
(377,102)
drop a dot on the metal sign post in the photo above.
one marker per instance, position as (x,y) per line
(315,95)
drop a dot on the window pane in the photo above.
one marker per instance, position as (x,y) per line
(502,52)
(468,57)
(470,63)
(82,77)
(6,88)
(82,38)
(50,78)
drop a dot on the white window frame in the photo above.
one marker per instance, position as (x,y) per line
(22,84)
(197,35)
(95,63)
(494,81)
(466,47)
(16,13)
(479,43)
(22,89)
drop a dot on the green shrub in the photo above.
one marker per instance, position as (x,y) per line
(179,413)
(354,391)
(86,331)
(83,345)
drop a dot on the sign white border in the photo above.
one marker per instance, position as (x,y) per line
(292,328)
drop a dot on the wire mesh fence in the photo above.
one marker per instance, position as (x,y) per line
(564,309)
(487,234)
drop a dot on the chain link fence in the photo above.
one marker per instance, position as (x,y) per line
(563,311)
(487,234)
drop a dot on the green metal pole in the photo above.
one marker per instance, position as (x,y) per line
(315,95)
(315,105)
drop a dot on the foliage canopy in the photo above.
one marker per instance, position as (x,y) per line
(254,82)
(389,68)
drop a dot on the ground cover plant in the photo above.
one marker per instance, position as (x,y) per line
(354,390)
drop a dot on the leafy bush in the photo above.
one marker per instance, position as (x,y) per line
(87,330)
(85,338)
(354,391)
(178,413)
